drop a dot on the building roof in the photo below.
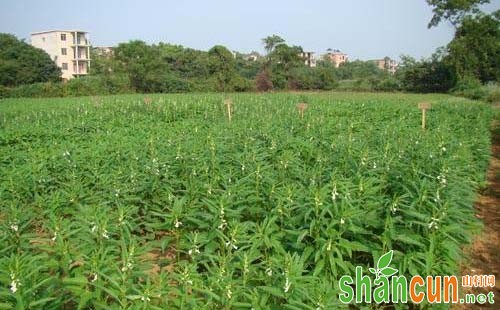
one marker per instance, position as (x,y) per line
(72,30)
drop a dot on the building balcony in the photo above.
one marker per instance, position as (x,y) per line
(82,44)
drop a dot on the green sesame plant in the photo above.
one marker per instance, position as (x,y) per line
(125,203)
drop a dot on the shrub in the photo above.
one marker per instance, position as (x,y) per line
(263,81)
(174,84)
(469,87)
(241,84)
(387,84)
(4,92)
(493,92)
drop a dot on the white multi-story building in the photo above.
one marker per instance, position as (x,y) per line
(309,59)
(387,64)
(69,49)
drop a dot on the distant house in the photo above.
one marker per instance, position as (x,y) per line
(309,59)
(253,56)
(386,64)
(103,50)
(69,49)
(336,57)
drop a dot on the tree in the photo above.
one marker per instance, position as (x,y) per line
(453,10)
(359,69)
(21,63)
(283,60)
(426,75)
(285,57)
(475,49)
(222,67)
(271,42)
(143,65)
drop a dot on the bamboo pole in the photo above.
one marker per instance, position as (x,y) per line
(228,103)
(301,107)
(424,106)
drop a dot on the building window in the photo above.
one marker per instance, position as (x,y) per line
(65,66)
(63,37)
(63,51)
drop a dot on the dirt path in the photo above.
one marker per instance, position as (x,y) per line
(485,250)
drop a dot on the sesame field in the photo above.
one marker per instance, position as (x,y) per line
(162,202)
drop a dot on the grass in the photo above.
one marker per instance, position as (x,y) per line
(128,202)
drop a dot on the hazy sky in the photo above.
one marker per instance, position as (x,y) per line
(363,29)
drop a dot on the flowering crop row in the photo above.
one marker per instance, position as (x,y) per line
(120,202)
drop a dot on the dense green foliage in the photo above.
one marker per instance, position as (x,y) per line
(89,86)
(475,49)
(426,75)
(127,202)
(453,10)
(21,63)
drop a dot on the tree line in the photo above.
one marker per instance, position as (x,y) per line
(467,63)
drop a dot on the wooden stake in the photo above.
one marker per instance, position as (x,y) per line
(301,107)
(424,106)
(228,103)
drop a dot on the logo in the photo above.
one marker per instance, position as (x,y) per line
(390,287)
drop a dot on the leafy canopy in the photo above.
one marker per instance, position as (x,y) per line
(475,49)
(21,63)
(453,10)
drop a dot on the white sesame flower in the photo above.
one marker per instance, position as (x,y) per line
(222,225)
(342,222)
(394,207)
(442,179)
(145,298)
(55,237)
(94,278)
(363,161)
(14,227)
(13,286)
(229,293)
(433,224)
(105,234)
(231,244)
(269,271)
(93,229)
(14,283)
(334,192)
(438,197)
(287,285)
(194,250)
(177,223)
